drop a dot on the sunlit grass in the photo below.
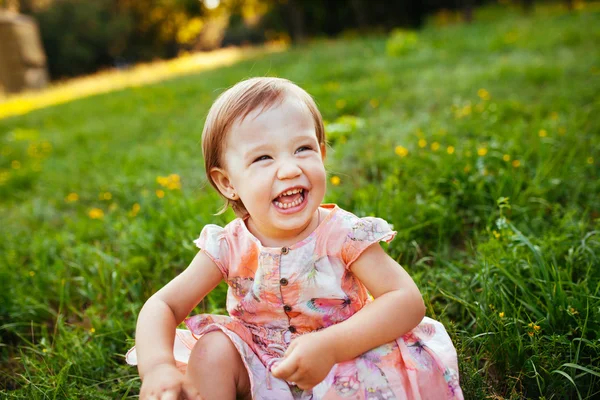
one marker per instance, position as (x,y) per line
(139,75)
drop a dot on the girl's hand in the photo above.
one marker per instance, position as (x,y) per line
(307,361)
(166,382)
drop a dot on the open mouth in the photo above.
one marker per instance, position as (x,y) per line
(290,199)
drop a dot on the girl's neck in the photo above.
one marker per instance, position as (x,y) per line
(288,240)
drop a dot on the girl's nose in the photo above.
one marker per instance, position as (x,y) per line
(288,169)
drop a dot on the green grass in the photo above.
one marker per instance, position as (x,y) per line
(501,231)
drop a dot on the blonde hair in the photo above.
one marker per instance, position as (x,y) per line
(235,104)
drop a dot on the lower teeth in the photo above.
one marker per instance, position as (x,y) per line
(286,206)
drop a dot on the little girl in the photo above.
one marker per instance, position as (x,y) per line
(317,309)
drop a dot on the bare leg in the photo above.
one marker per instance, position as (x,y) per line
(216,368)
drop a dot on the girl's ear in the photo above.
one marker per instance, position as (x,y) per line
(221,179)
(323,151)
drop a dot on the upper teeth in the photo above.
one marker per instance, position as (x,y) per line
(290,192)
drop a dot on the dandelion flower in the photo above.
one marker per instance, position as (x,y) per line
(516,163)
(482,151)
(335,180)
(401,151)
(31,273)
(435,146)
(543,133)
(506,157)
(501,314)
(160,193)
(15,164)
(483,94)
(422,143)
(590,160)
(72,197)
(450,149)
(96,213)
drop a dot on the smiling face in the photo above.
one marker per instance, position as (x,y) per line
(269,153)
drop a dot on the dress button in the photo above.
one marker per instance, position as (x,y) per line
(283,282)
(287,308)
(292,329)
(285,250)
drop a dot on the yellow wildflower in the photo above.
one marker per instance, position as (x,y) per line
(450,149)
(92,330)
(536,328)
(501,314)
(467,168)
(543,133)
(516,163)
(4,176)
(171,182)
(401,151)
(72,197)
(530,334)
(554,115)
(135,209)
(506,157)
(162,180)
(496,234)
(15,164)
(482,151)
(435,146)
(483,94)
(160,193)
(31,273)
(573,311)
(590,160)
(422,143)
(105,196)
(96,213)
(335,180)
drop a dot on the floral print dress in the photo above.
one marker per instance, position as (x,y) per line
(278,294)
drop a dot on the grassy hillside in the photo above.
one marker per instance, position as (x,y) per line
(480,143)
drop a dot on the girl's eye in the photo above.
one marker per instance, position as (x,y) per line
(261,158)
(304,147)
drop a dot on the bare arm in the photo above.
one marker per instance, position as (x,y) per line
(158,319)
(398,307)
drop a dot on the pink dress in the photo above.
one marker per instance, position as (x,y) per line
(278,294)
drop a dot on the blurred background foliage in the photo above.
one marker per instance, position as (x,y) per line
(83,36)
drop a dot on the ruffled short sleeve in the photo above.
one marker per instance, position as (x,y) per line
(213,243)
(363,233)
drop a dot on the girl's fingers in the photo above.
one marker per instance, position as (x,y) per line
(169,395)
(284,369)
(290,349)
(190,392)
